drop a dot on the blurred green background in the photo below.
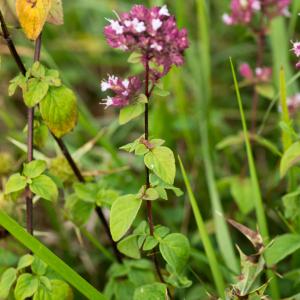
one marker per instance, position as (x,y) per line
(196,120)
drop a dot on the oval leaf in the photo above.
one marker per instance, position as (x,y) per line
(282,247)
(34,168)
(32,16)
(26,286)
(123,213)
(175,249)
(157,291)
(15,183)
(44,187)
(35,91)
(131,112)
(129,247)
(161,161)
(290,157)
(59,110)
(7,280)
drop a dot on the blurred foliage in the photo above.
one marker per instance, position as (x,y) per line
(78,49)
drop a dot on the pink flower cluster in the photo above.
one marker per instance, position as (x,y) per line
(243,11)
(296,50)
(152,32)
(124,89)
(293,104)
(259,75)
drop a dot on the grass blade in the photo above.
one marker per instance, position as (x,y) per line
(49,258)
(209,250)
(259,207)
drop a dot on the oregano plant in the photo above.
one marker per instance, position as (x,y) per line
(154,41)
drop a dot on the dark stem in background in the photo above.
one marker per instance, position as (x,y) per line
(261,41)
(59,141)
(30,136)
(149,203)
(80,178)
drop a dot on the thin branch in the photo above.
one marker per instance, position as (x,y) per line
(59,141)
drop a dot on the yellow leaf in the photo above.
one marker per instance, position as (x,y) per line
(56,13)
(32,15)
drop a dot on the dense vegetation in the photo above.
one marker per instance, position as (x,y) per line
(149,157)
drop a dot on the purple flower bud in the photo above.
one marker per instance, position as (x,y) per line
(124,89)
(152,32)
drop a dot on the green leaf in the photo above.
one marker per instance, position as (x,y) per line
(35,91)
(141,98)
(161,231)
(266,91)
(151,194)
(37,70)
(157,291)
(135,58)
(15,183)
(52,77)
(61,290)
(290,158)
(282,247)
(43,294)
(25,261)
(160,92)
(141,149)
(34,168)
(161,161)
(8,278)
(78,211)
(175,249)
(149,243)
(131,112)
(44,187)
(59,110)
(55,263)
(86,191)
(129,247)
(241,190)
(123,212)
(27,285)
(38,267)
(18,81)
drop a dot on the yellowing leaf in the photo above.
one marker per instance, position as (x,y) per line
(56,13)
(32,15)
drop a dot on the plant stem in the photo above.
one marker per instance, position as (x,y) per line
(149,203)
(59,141)
(30,136)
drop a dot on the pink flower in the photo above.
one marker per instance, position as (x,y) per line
(263,74)
(243,11)
(246,71)
(152,32)
(124,89)
(296,50)
(259,75)
(293,103)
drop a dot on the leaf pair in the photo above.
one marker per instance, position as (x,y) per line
(57,103)
(33,15)
(40,184)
